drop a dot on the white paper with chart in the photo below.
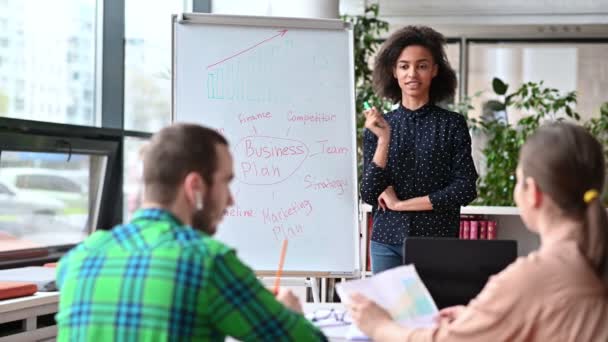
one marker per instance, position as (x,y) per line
(400,291)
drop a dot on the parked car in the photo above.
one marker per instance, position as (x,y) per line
(21,212)
(13,201)
(47,184)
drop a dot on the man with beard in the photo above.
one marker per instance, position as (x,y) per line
(162,277)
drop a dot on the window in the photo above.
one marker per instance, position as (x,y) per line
(49,207)
(452,51)
(19,104)
(580,67)
(132,175)
(47,182)
(51,190)
(39,36)
(5,191)
(147,103)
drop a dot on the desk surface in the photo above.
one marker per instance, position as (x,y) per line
(37,299)
(336,333)
(44,298)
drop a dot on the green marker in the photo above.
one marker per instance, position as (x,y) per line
(366,106)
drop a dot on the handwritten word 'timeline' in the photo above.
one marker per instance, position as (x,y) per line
(237,211)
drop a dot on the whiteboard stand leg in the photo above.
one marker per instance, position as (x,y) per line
(324,290)
(315,289)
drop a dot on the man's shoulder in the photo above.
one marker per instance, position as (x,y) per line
(97,238)
(213,247)
(177,240)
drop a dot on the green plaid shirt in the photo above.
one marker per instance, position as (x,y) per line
(155,279)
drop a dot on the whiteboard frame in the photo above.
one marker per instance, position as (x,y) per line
(285,22)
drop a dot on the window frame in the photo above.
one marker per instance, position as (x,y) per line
(32,136)
(523,40)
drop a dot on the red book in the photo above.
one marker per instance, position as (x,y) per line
(14,289)
(473,231)
(491,230)
(460,232)
(483,226)
(465,229)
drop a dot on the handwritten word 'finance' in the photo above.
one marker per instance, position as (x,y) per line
(282,231)
(336,184)
(282,214)
(266,160)
(243,118)
(310,118)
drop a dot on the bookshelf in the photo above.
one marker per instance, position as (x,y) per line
(471,210)
(510,226)
(489,210)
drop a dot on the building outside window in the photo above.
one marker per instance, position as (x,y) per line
(40,36)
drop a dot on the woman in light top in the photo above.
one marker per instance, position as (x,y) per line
(418,169)
(558,293)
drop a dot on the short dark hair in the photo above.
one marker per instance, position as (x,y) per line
(443,86)
(174,152)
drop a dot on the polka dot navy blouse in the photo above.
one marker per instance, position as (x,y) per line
(429,154)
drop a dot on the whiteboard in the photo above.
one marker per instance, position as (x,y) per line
(281,91)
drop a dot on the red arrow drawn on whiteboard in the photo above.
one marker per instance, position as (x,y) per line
(281,33)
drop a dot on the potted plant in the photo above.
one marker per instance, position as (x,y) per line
(367,29)
(539,103)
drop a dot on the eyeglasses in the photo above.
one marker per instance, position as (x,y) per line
(337,316)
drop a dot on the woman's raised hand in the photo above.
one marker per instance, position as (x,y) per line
(375,122)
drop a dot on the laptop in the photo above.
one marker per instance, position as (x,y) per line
(455,271)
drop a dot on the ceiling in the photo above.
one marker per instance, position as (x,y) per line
(495,18)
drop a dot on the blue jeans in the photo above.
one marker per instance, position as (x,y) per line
(385,256)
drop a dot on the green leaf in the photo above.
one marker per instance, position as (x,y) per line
(499,86)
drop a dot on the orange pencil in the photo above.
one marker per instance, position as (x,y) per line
(280,269)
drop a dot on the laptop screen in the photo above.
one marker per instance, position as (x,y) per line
(455,271)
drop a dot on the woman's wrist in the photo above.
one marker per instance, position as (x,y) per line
(401,205)
(386,330)
(414,204)
(384,141)
(381,154)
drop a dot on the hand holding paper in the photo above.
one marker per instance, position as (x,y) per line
(399,292)
(367,315)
